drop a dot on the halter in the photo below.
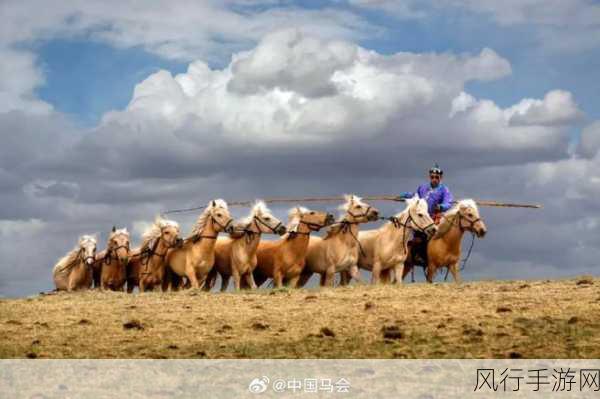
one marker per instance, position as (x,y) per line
(273,229)
(363,215)
(108,257)
(312,226)
(397,224)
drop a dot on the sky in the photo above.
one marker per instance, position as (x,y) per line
(113,111)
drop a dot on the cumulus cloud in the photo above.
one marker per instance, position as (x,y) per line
(589,143)
(557,108)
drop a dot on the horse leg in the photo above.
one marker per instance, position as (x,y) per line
(430,272)
(225,281)
(345,277)
(277,278)
(191,275)
(293,282)
(376,272)
(455,273)
(398,271)
(250,280)
(355,274)
(329,277)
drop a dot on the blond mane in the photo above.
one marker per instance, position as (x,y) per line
(154,232)
(67,262)
(203,218)
(259,208)
(118,232)
(450,216)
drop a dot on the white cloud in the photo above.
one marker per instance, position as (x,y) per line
(557,108)
(295,88)
(589,143)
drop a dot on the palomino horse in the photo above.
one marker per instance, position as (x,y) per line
(74,270)
(113,260)
(236,255)
(146,267)
(339,250)
(386,247)
(285,258)
(444,249)
(196,257)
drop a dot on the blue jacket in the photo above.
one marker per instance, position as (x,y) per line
(440,195)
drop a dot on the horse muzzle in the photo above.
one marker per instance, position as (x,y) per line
(281,230)
(431,230)
(373,216)
(89,260)
(330,219)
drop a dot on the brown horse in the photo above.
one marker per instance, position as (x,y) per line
(285,259)
(444,249)
(196,257)
(74,270)
(339,250)
(113,260)
(146,266)
(236,255)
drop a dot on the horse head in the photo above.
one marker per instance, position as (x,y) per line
(220,216)
(358,211)
(470,219)
(169,232)
(87,249)
(418,216)
(264,221)
(118,243)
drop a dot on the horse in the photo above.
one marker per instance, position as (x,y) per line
(146,266)
(236,255)
(285,258)
(386,247)
(113,260)
(339,250)
(74,270)
(444,248)
(196,257)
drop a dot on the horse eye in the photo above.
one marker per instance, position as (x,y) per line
(470,215)
(420,215)
(267,219)
(312,212)
(219,214)
(358,207)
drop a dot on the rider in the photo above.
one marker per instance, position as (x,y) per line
(439,199)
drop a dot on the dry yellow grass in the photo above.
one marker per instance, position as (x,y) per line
(531,319)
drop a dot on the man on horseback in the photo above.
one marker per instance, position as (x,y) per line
(439,199)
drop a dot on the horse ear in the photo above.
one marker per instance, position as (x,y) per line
(214,203)
(114,229)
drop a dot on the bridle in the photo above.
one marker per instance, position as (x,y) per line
(151,251)
(364,215)
(197,237)
(257,220)
(114,250)
(406,224)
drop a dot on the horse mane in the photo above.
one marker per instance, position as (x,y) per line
(259,208)
(294,216)
(198,227)
(67,262)
(450,216)
(154,231)
(118,232)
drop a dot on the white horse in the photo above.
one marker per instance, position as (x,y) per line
(339,250)
(236,255)
(74,271)
(386,247)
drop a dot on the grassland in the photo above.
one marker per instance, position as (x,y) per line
(504,319)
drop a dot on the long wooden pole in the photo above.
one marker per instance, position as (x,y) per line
(340,198)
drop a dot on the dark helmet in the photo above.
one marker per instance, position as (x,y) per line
(436,170)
